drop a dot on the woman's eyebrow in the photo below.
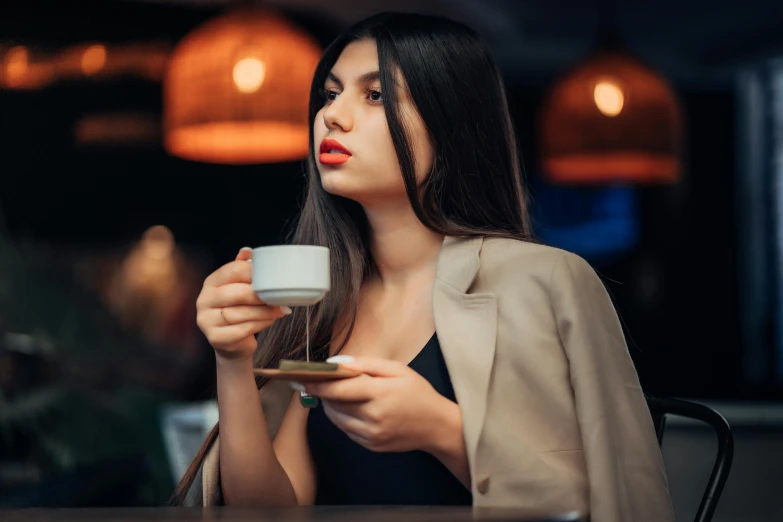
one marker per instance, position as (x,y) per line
(368,77)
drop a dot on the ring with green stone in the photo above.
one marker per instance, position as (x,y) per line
(307,400)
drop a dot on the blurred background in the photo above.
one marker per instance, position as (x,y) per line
(142,143)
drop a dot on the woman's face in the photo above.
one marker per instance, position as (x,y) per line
(353,146)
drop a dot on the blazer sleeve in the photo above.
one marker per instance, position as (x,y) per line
(624,464)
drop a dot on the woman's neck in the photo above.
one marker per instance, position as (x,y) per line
(402,248)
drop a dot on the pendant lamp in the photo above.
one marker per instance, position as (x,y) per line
(611,119)
(236,90)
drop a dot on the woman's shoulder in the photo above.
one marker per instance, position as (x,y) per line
(527,255)
(512,259)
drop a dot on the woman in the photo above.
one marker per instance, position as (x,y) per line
(524,393)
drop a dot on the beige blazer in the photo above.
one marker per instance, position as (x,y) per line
(554,416)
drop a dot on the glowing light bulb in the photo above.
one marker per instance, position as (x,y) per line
(249,74)
(608,98)
(93,59)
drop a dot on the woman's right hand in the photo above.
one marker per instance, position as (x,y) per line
(229,313)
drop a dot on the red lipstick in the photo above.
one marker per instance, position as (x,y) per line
(333,152)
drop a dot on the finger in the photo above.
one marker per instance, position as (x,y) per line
(233,294)
(245,254)
(246,313)
(233,333)
(237,271)
(355,410)
(354,389)
(373,366)
(346,422)
(362,441)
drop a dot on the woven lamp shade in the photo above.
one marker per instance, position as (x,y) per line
(611,119)
(237,88)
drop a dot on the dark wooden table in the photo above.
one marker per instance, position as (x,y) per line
(315,514)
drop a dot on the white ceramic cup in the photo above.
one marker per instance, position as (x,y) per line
(291,275)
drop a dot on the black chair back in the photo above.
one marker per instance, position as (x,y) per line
(660,407)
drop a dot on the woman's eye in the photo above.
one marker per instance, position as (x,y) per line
(375,95)
(330,95)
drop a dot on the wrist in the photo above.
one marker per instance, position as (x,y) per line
(445,434)
(233,365)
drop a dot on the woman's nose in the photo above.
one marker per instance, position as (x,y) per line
(338,115)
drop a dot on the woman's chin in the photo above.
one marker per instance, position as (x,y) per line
(344,185)
(340,187)
(339,182)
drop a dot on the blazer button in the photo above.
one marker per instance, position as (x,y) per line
(483,484)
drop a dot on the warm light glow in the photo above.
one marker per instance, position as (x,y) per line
(239,143)
(17,62)
(608,98)
(128,128)
(158,242)
(611,119)
(249,74)
(93,59)
(209,111)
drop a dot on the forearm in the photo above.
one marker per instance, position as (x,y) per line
(250,473)
(448,442)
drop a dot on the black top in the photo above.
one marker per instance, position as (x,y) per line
(348,473)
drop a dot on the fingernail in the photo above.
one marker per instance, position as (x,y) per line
(286,310)
(246,248)
(296,386)
(337,359)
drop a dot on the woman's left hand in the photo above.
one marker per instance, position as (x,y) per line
(389,407)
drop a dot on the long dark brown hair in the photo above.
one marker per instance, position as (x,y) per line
(473,189)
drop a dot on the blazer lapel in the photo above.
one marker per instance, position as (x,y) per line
(467,328)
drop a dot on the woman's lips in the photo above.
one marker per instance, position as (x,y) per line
(331,158)
(333,152)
